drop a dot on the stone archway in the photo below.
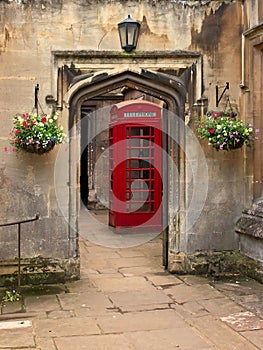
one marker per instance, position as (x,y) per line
(160,85)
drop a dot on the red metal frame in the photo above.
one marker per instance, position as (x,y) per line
(135,165)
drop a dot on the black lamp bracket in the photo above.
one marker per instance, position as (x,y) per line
(218,99)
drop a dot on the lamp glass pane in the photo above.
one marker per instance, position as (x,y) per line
(131,31)
(122,33)
(136,34)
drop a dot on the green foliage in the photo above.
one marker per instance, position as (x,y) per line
(11,295)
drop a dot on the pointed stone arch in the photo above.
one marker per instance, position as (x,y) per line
(169,88)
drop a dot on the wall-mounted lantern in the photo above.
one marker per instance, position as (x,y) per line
(129,32)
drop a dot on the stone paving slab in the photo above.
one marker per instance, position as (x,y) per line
(90,299)
(130,253)
(69,327)
(163,279)
(243,321)
(42,303)
(61,314)
(140,321)
(102,342)
(15,338)
(239,286)
(45,343)
(172,338)
(145,307)
(108,274)
(143,297)
(255,337)
(244,291)
(107,254)
(109,271)
(12,308)
(95,312)
(123,284)
(191,309)
(84,285)
(137,270)
(22,348)
(191,280)
(118,263)
(183,293)
(222,307)
(15,324)
(222,336)
(131,262)
(252,302)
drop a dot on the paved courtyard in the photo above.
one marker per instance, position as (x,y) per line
(126,301)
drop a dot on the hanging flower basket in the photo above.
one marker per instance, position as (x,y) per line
(224,131)
(236,145)
(38,147)
(35,133)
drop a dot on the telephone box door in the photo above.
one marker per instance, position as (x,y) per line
(135,164)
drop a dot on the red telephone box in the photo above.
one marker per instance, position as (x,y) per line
(135,165)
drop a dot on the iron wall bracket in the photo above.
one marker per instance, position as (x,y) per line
(218,99)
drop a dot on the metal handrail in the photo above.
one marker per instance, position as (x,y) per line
(19,243)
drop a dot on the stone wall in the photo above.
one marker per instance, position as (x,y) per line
(30,33)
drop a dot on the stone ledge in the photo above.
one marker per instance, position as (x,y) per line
(250,225)
(120,54)
(251,221)
(39,271)
(32,275)
(217,264)
(256,210)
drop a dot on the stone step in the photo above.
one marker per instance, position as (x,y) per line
(31,275)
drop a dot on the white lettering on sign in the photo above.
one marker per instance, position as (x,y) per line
(139,114)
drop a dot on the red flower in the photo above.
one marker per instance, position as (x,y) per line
(212,131)
(17,131)
(5,149)
(44,119)
(25,124)
(33,122)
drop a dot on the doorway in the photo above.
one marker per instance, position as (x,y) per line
(87,100)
